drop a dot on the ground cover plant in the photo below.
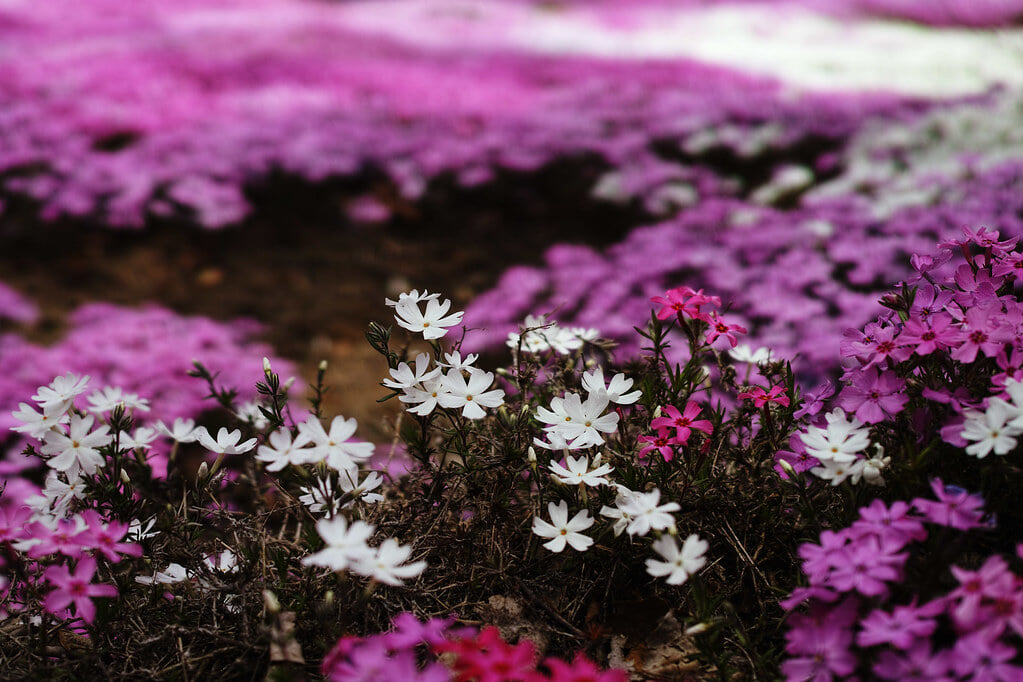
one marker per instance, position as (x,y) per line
(556,505)
(685,427)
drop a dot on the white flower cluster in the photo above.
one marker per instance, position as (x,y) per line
(463,387)
(431,323)
(539,336)
(574,423)
(996,428)
(839,447)
(347,549)
(634,512)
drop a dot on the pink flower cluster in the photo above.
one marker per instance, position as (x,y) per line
(853,622)
(467,656)
(40,551)
(674,428)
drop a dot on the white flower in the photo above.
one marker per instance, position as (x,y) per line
(578,421)
(593,382)
(745,353)
(110,397)
(841,441)
(561,530)
(348,480)
(992,429)
(405,377)
(77,451)
(36,424)
(319,497)
(183,430)
(454,360)
(334,446)
(411,297)
(174,573)
(387,565)
(61,392)
(139,531)
(56,496)
(579,473)
(472,395)
(226,442)
(141,440)
(344,545)
(678,565)
(432,323)
(619,512)
(225,562)
(836,472)
(283,451)
(873,468)
(645,512)
(250,413)
(425,398)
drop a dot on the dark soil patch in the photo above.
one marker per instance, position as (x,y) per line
(303,268)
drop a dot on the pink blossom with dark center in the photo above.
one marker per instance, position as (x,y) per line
(75,588)
(867,565)
(982,332)
(924,336)
(874,395)
(918,664)
(901,627)
(896,522)
(683,422)
(990,582)
(684,301)
(760,397)
(719,328)
(955,507)
(662,441)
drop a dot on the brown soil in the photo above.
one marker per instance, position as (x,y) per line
(300,266)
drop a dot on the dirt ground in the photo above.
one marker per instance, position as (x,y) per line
(305,270)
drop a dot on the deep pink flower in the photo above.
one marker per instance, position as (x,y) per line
(982,657)
(874,345)
(683,422)
(67,538)
(720,328)
(760,397)
(662,442)
(684,301)
(581,669)
(75,588)
(488,658)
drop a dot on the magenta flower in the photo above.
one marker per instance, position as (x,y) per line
(990,582)
(874,395)
(684,301)
(760,397)
(983,332)
(106,537)
(925,336)
(75,588)
(662,442)
(683,422)
(901,627)
(896,522)
(866,565)
(955,507)
(918,664)
(720,328)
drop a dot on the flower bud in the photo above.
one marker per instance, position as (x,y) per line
(266,366)
(531,455)
(270,602)
(323,366)
(787,468)
(125,478)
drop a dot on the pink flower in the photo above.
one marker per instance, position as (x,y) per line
(874,395)
(684,301)
(719,328)
(662,442)
(930,334)
(488,658)
(683,422)
(75,588)
(760,397)
(955,508)
(106,538)
(983,332)
(580,669)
